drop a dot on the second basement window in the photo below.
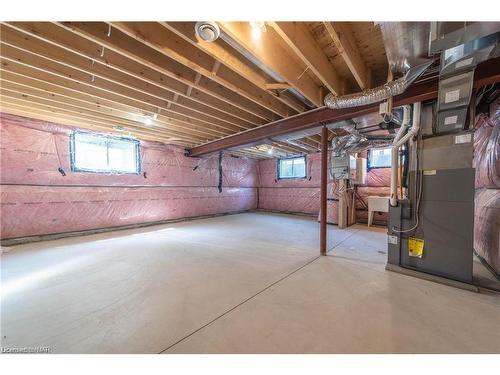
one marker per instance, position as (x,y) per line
(104,154)
(379,158)
(292,168)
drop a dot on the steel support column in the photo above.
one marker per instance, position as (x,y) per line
(324,184)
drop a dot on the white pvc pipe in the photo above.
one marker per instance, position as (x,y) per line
(399,140)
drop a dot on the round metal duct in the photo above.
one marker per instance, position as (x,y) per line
(207,31)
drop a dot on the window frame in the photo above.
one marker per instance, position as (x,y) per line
(368,156)
(278,165)
(108,138)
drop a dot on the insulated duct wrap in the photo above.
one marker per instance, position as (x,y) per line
(487,148)
(487,226)
(352,143)
(487,196)
(377,94)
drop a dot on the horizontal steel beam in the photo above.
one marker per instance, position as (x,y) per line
(486,73)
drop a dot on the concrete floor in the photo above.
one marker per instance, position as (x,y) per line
(246,283)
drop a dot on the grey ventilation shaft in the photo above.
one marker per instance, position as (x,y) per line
(461,51)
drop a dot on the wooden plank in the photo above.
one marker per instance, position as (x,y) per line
(343,202)
(18,73)
(300,40)
(43,50)
(50,114)
(226,55)
(344,41)
(169,44)
(9,96)
(122,112)
(12,58)
(199,101)
(271,53)
(278,86)
(136,50)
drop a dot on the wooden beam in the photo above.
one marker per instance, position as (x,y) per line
(277,86)
(20,108)
(269,51)
(178,49)
(56,56)
(226,55)
(121,112)
(344,41)
(486,73)
(300,40)
(104,118)
(15,66)
(56,85)
(152,80)
(12,58)
(138,51)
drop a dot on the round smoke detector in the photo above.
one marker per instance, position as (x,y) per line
(207,31)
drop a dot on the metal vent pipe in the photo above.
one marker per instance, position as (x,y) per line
(377,94)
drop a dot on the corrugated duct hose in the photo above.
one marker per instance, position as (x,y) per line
(378,94)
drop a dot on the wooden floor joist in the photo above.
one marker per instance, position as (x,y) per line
(143,53)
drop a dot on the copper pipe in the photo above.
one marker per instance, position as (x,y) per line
(324,182)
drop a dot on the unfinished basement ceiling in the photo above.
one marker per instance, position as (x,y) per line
(157,81)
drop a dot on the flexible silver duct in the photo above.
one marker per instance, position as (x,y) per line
(355,141)
(377,94)
(349,144)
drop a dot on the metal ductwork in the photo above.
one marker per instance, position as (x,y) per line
(378,94)
(461,50)
(406,44)
(355,141)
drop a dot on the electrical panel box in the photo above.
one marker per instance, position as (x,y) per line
(340,167)
(357,170)
(349,167)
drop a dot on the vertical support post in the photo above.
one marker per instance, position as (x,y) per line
(324,182)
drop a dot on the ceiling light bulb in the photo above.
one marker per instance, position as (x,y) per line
(270,151)
(255,33)
(148,121)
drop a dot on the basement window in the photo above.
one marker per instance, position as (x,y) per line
(103,154)
(379,158)
(292,168)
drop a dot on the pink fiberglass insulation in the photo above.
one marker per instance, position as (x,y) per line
(30,210)
(290,195)
(36,199)
(378,177)
(487,198)
(487,148)
(302,195)
(487,226)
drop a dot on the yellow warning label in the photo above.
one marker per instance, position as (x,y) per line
(415,247)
